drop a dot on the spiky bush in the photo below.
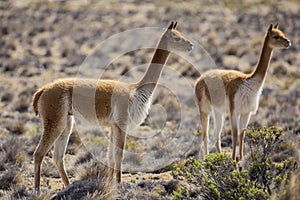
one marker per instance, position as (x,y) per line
(219,177)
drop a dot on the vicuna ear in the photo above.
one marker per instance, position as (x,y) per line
(171,26)
(276,26)
(175,25)
(270,28)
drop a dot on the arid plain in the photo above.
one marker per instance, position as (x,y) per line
(41,41)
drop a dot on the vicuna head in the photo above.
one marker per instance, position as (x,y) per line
(277,38)
(173,40)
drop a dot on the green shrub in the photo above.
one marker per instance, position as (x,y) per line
(216,177)
(263,170)
(219,177)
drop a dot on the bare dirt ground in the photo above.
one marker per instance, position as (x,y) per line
(41,41)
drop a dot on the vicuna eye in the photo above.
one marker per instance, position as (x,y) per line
(276,37)
(177,39)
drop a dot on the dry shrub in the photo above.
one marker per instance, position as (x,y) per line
(135,159)
(31,143)
(90,170)
(21,105)
(21,192)
(83,158)
(15,127)
(95,185)
(49,169)
(10,178)
(13,152)
(74,143)
(7,97)
(23,100)
(148,189)
(285,149)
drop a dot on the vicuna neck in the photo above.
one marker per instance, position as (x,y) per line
(150,79)
(261,69)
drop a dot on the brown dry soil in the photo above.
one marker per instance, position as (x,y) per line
(41,41)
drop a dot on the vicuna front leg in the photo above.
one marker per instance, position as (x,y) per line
(119,152)
(218,126)
(244,120)
(111,153)
(234,131)
(60,147)
(204,120)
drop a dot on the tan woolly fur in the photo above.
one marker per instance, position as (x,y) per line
(220,91)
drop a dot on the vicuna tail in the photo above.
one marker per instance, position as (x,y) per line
(35,100)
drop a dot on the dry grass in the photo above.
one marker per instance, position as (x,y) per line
(21,192)
(12,152)
(83,157)
(10,178)
(15,127)
(90,170)
(286,148)
(94,184)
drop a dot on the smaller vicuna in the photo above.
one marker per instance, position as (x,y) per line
(219,91)
(118,105)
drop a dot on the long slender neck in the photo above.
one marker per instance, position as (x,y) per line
(261,69)
(150,78)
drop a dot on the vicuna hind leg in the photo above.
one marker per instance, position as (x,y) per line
(60,147)
(51,132)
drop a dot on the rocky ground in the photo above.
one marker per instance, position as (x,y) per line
(43,41)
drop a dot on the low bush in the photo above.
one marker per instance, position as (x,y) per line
(220,177)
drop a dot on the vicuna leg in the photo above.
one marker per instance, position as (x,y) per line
(60,147)
(234,129)
(204,120)
(244,120)
(218,125)
(119,140)
(111,147)
(50,134)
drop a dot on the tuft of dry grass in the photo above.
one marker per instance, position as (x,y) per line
(21,192)
(10,178)
(15,127)
(49,169)
(94,184)
(7,97)
(12,152)
(83,158)
(90,170)
(285,149)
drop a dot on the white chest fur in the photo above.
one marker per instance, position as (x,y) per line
(139,106)
(246,99)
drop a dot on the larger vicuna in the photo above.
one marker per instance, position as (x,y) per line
(121,106)
(218,91)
